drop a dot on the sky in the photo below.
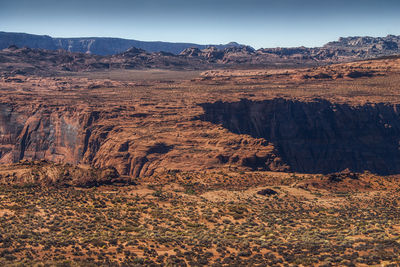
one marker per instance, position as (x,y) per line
(268,23)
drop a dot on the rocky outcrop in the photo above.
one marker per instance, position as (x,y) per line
(14,60)
(39,134)
(104,138)
(390,42)
(58,135)
(45,173)
(214,55)
(345,49)
(319,136)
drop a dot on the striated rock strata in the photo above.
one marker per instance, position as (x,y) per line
(318,136)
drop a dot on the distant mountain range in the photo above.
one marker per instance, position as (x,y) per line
(95,45)
(344,49)
(33,54)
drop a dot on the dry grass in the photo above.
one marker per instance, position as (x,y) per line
(164,223)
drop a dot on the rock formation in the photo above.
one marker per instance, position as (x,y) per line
(143,126)
(343,50)
(318,136)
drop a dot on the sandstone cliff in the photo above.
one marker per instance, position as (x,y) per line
(318,136)
(308,137)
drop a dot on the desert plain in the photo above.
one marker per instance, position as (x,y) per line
(287,166)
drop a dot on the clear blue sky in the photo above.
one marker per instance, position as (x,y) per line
(268,23)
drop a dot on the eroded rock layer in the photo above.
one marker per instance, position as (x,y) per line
(133,143)
(143,123)
(318,136)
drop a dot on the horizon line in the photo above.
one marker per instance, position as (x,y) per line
(183,42)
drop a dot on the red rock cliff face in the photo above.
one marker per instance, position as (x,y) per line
(309,137)
(61,135)
(135,144)
(40,134)
(318,136)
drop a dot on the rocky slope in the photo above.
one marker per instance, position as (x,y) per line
(30,61)
(14,60)
(33,173)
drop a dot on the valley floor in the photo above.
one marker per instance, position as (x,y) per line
(311,220)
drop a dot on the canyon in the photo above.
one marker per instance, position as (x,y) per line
(318,120)
(208,158)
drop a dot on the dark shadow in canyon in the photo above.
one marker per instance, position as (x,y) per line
(318,136)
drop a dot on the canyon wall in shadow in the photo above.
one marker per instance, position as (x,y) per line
(318,136)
